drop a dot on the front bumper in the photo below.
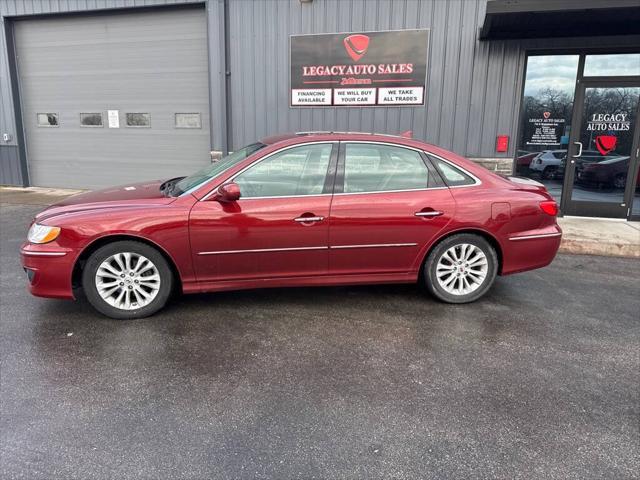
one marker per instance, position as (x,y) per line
(49,269)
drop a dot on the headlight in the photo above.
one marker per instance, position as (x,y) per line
(42,233)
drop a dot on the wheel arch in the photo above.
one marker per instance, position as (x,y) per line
(76,274)
(493,241)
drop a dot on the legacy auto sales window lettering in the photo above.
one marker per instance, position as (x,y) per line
(600,122)
(359,69)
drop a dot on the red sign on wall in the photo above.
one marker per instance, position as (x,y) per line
(502,143)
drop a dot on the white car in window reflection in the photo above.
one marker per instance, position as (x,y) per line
(550,164)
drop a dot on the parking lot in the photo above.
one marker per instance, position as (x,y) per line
(540,379)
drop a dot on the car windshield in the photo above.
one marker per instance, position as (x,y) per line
(214,169)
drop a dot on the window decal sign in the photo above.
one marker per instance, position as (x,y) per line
(606,143)
(544,131)
(359,69)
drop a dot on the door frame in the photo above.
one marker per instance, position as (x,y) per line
(599,209)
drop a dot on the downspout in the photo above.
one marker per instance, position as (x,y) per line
(228,144)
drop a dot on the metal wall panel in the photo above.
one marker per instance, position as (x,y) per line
(473,87)
(10,173)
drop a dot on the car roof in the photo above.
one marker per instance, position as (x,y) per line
(335,134)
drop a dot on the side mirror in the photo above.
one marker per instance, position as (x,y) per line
(229,192)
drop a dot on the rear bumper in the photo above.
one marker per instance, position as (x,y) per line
(531,249)
(48,270)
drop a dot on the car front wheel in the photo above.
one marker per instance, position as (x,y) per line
(127,279)
(461,268)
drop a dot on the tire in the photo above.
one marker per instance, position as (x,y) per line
(451,287)
(620,181)
(144,285)
(549,173)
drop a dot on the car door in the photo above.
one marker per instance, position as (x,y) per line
(278,227)
(389,202)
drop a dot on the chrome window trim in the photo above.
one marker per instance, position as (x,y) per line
(328,142)
(331,142)
(540,235)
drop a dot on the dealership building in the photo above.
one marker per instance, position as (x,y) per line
(102,92)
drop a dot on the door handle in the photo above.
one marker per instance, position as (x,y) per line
(579,151)
(308,219)
(430,213)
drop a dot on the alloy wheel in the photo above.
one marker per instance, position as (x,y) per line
(462,269)
(127,281)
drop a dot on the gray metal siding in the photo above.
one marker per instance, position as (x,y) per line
(148,61)
(465,77)
(10,173)
(473,87)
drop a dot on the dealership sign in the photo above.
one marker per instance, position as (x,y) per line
(359,69)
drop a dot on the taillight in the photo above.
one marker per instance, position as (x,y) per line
(550,207)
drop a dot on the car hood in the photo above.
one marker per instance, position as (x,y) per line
(131,195)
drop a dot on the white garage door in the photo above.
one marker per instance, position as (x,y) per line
(148,69)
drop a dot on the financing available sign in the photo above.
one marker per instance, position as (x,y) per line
(359,69)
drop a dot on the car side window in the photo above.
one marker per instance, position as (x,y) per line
(379,168)
(453,177)
(295,171)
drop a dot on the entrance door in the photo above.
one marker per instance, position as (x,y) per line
(603,155)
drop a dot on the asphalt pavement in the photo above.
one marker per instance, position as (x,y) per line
(540,379)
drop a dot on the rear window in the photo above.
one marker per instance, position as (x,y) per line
(453,176)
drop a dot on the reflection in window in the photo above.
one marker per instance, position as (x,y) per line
(454,177)
(138,120)
(188,120)
(619,64)
(379,168)
(545,121)
(293,172)
(48,119)
(91,119)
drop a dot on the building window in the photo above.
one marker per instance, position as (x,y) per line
(188,120)
(91,119)
(48,120)
(138,120)
(545,120)
(613,65)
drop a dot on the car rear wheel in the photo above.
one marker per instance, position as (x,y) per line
(461,268)
(127,279)
(550,173)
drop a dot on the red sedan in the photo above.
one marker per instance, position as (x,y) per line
(296,210)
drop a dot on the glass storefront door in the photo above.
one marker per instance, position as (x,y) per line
(600,180)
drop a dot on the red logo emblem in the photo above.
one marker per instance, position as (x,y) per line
(546,115)
(356,46)
(606,143)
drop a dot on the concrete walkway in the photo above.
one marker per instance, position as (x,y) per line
(590,236)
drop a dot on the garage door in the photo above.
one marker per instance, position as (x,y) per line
(113,99)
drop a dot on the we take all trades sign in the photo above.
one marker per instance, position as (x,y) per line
(359,69)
